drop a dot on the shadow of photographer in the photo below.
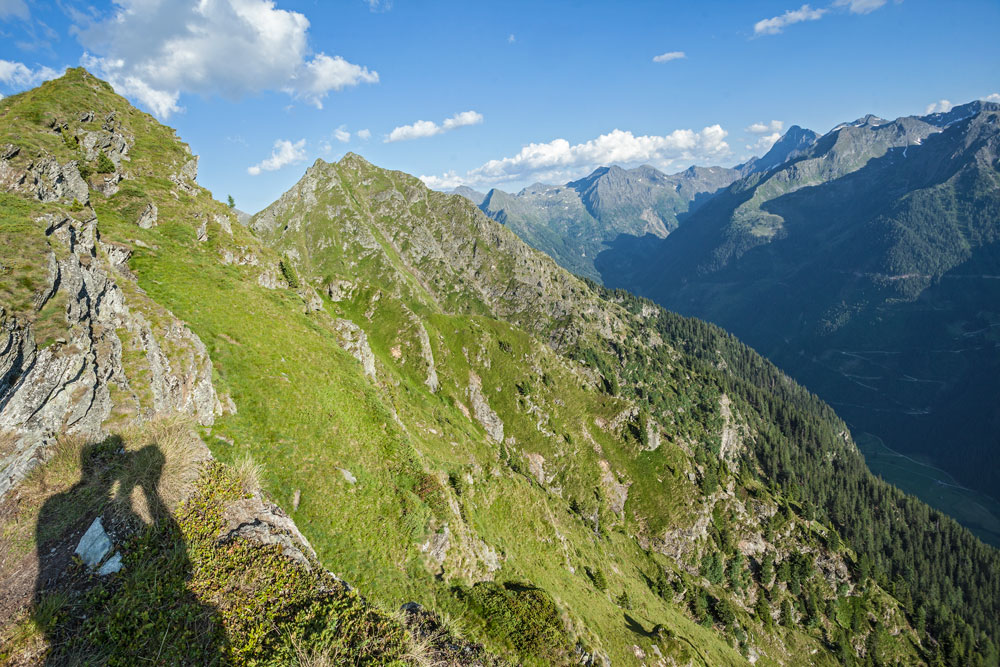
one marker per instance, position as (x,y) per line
(92,612)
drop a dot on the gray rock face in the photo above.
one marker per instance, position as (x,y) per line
(428,354)
(340,290)
(47,180)
(190,169)
(482,411)
(263,522)
(224,222)
(314,303)
(108,185)
(270,278)
(436,546)
(112,565)
(112,142)
(187,176)
(354,340)
(65,387)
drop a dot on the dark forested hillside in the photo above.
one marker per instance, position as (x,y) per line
(866,266)
(946,578)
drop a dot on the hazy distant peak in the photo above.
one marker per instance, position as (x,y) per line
(475,196)
(795,140)
(959,113)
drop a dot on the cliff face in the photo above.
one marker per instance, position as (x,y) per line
(77,329)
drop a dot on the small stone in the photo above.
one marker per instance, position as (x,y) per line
(114,564)
(296,498)
(351,479)
(94,545)
(147,219)
(8,151)
(412,608)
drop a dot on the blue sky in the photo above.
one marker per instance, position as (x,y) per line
(509,92)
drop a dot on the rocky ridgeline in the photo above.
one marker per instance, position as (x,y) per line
(64,385)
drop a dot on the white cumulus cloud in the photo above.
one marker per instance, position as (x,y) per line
(428,128)
(776,24)
(21,76)
(860,6)
(670,55)
(558,159)
(155,50)
(764,144)
(992,97)
(364,134)
(341,134)
(941,106)
(284,154)
(764,128)
(462,119)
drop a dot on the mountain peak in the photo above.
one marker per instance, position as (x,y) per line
(352,159)
(794,140)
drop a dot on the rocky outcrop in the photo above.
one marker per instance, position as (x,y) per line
(427,352)
(340,290)
(482,411)
(63,386)
(265,523)
(111,140)
(46,179)
(187,176)
(147,219)
(353,339)
(615,490)
(269,278)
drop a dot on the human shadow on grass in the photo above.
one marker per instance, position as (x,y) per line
(92,614)
(636,627)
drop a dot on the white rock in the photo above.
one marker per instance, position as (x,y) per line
(114,564)
(94,545)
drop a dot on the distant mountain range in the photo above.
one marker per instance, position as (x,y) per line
(614,207)
(865,262)
(577,221)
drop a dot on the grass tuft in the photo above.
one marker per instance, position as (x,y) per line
(248,473)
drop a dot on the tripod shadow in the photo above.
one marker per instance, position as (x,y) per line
(143,612)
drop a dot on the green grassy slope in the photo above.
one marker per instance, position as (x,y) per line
(626,509)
